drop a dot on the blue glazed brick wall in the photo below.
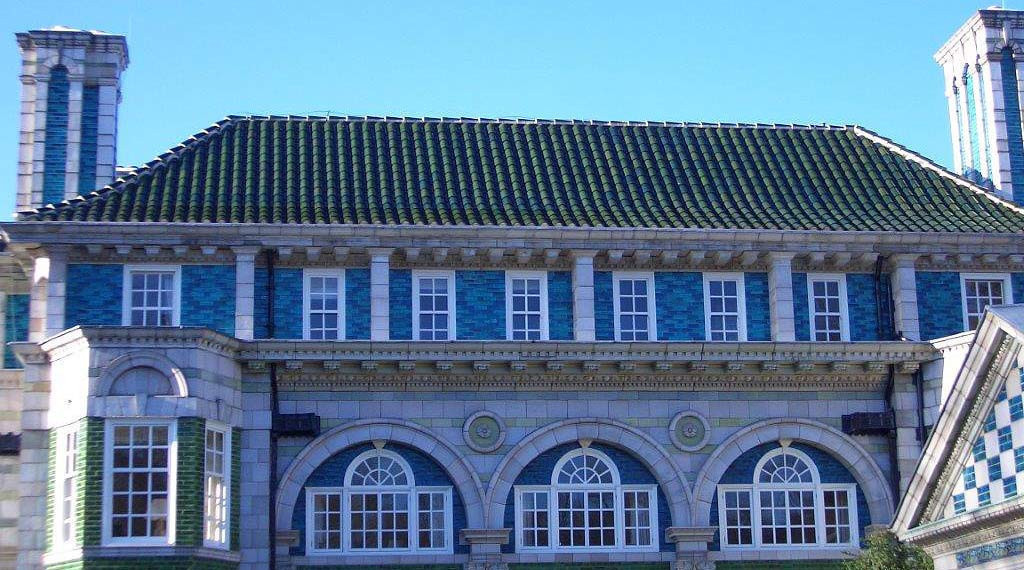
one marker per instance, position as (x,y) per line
(480,305)
(1014,137)
(939,305)
(863,308)
(1017,285)
(55,149)
(604,306)
(680,310)
(357,304)
(741,472)
(87,152)
(759,319)
(560,305)
(208,297)
(631,472)
(426,472)
(287,303)
(94,294)
(400,298)
(801,312)
(15,327)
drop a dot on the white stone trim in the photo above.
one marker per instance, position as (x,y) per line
(617,434)
(841,447)
(463,476)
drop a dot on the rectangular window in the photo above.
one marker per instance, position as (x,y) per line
(638,523)
(838,526)
(66,485)
(324,304)
(827,301)
(217,488)
(379,521)
(736,513)
(433,305)
(586,518)
(534,519)
(634,307)
(527,305)
(139,483)
(724,300)
(152,295)
(981,290)
(326,515)
(432,519)
(787,517)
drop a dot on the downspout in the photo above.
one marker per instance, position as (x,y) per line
(885,312)
(272,494)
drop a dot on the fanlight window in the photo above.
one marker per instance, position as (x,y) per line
(379,510)
(787,506)
(586,508)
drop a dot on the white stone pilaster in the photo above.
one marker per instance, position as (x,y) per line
(106,135)
(780,295)
(380,291)
(37,298)
(56,292)
(245,292)
(584,325)
(904,295)
(33,462)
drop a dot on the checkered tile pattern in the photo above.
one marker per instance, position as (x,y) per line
(995,467)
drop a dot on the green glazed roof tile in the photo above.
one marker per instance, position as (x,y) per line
(485,172)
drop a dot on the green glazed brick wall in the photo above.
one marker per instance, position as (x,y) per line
(89,511)
(236,488)
(782,565)
(161,562)
(191,451)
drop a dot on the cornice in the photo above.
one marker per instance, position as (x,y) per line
(27,234)
(970,529)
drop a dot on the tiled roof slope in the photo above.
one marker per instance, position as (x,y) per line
(477,172)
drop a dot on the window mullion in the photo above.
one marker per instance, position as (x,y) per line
(414,518)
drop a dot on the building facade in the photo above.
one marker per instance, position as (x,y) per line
(363,342)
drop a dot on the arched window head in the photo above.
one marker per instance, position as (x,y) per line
(379,468)
(585,467)
(787,466)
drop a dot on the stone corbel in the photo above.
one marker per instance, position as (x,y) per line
(485,547)
(691,547)
(286,539)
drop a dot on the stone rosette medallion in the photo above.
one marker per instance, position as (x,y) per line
(689,431)
(484,432)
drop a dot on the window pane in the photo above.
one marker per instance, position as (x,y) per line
(139,492)
(979,294)
(723,310)
(634,317)
(151,298)
(525,303)
(826,312)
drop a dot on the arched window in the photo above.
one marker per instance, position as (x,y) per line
(586,506)
(786,505)
(379,510)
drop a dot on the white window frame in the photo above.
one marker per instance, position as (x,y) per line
(226,432)
(652,316)
(416,276)
(411,490)
(60,542)
(618,490)
(965,277)
(108,481)
(307,275)
(818,489)
(741,305)
(126,291)
(844,304)
(542,276)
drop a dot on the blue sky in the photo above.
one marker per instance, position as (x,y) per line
(193,62)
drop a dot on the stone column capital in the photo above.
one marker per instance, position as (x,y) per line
(781,256)
(246,251)
(903,260)
(583,253)
(472,536)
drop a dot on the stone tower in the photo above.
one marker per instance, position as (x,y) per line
(983,69)
(71,88)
